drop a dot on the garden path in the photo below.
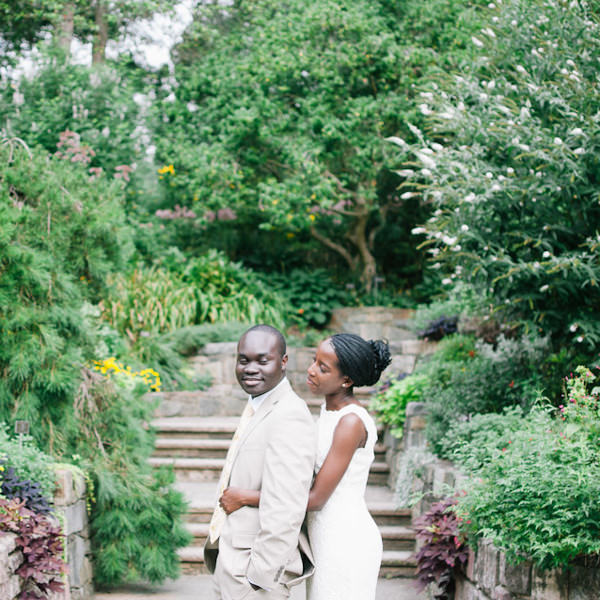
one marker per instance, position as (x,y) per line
(199,587)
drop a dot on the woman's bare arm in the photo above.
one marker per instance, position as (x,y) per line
(349,435)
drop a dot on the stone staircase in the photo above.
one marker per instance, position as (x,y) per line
(196,448)
(194,430)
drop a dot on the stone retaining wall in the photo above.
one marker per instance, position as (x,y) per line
(10,560)
(70,503)
(488,574)
(70,508)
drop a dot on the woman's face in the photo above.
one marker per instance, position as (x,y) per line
(324,376)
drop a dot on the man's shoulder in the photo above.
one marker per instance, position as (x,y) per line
(291,402)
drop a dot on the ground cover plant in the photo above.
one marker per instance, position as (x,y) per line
(41,541)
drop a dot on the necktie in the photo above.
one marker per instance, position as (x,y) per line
(219,515)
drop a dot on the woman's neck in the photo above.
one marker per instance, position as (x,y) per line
(339,400)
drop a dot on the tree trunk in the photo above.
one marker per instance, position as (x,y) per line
(365,259)
(64,33)
(359,238)
(101,35)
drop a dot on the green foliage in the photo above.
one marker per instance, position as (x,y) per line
(488,379)
(390,401)
(60,237)
(97,105)
(508,160)
(135,521)
(167,353)
(28,462)
(209,288)
(279,116)
(461,301)
(309,296)
(469,442)
(536,496)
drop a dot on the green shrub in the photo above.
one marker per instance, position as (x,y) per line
(534,490)
(310,296)
(60,237)
(390,401)
(97,104)
(508,160)
(488,380)
(469,442)
(208,289)
(136,517)
(28,462)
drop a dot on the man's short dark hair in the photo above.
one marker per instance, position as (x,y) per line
(281,345)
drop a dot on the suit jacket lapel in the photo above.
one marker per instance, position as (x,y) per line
(264,409)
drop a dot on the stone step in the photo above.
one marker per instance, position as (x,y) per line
(398,563)
(394,563)
(195,427)
(394,537)
(209,469)
(378,473)
(192,447)
(177,447)
(191,469)
(201,497)
(397,537)
(385,514)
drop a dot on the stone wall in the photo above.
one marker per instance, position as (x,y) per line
(10,560)
(488,575)
(70,505)
(70,509)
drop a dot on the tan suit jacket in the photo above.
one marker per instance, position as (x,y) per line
(276,455)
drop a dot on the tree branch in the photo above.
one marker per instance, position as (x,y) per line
(383,211)
(336,247)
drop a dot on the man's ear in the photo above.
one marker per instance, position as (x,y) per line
(284,360)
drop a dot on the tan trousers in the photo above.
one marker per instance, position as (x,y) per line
(229,587)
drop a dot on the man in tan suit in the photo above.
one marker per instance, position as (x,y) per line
(259,552)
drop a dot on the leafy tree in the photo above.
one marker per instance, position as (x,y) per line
(25,22)
(280,115)
(509,163)
(96,104)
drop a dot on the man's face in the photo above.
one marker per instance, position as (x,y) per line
(259,366)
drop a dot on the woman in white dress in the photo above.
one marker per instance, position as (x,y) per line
(345,540)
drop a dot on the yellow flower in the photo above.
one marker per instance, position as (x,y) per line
(290,235)
(166,169)
(312,217)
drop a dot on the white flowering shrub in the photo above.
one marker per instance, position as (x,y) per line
(509,161)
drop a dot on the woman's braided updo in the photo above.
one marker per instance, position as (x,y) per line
(361,360)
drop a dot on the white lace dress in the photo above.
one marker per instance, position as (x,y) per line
(345,540)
